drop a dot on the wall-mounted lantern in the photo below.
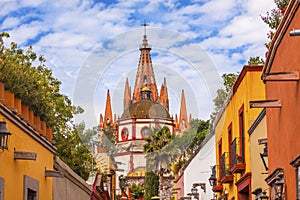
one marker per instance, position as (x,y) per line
(264,154)
(4,135)
(278,186)
(212,180)
(260,194)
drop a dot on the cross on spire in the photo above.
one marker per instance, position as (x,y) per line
(145,24)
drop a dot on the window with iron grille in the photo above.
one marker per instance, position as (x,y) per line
(31,194)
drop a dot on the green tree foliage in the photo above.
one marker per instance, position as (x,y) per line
(222,93)
(157,153)
(201,127)
(36,87)
(151,185)
(256,61)
(137,191)
(74,152)
(189,142)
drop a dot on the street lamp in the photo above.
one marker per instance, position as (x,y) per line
(264,157)
(4,134)
(278,185)
(260,195)
(212,180)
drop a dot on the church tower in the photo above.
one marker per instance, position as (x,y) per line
(143,109)
(145,74)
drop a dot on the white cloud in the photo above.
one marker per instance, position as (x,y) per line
(66,32)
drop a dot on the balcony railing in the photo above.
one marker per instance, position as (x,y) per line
(225,173)
(237,164)
(217,187)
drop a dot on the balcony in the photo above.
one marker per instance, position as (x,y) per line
(237,164)
(225,172)
(217,187)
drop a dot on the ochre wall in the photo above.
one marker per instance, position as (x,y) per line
(257,167)
(13,171)
(250,88)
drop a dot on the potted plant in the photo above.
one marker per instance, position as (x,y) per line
(273,18)
(239,159)
(282,4)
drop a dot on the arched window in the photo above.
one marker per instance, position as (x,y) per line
(124,134)
(145,79)
(145,132)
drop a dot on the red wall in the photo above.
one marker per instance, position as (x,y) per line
(283,124)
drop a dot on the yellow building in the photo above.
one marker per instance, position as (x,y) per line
(26,163)
(232,171)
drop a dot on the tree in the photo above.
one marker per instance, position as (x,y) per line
(189,142)
(36,87)
(202,129)
(158,157)
(256,61)
(155,147)
(228,83)
(151,185)
(137,191)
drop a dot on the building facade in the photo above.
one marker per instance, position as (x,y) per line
(26,167)
(281,77)
(232,170)
(198,170)
(259,155)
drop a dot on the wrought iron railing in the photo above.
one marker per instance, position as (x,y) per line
(224,165)
(236,155)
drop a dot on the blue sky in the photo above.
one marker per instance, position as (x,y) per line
(92,46)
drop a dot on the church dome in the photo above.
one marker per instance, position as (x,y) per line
(145,109)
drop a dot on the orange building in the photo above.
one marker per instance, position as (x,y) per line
(281,76)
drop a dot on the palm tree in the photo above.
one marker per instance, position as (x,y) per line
(157,152)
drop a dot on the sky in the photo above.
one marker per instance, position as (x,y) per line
(92,46)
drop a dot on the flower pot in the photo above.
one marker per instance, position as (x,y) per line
(10,100)
(43,128)
(25,112)
(49,133)
(2,93)
(31,119)
(37,123)
(283,10)
(18,107)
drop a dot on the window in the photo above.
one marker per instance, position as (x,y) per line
(242,131)
(1,188)
(298,182)
(220,157)
(145,132)
(124,134)
(31,188)
(229,144)
(31,194)
(296,163)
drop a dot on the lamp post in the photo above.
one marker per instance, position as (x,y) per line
(4,134)
(278,185)
(212,180)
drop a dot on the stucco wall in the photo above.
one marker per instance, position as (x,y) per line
(258,171)
(283,123)
(13,171)
(71,187)
(199,169)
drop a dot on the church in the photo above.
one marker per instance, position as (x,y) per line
(143,108)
